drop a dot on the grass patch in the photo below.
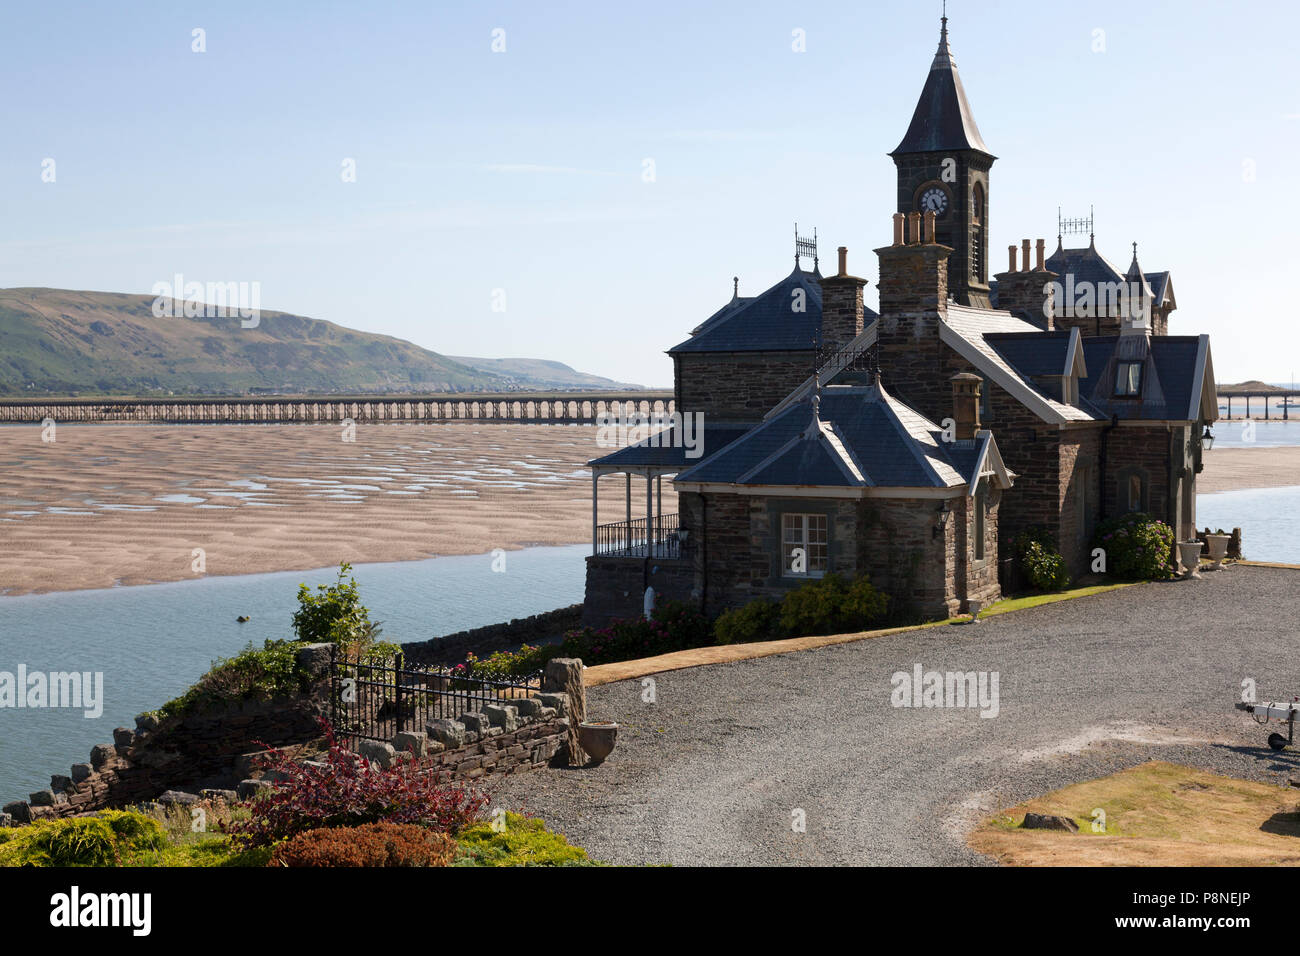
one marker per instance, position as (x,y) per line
(1156,814)
(1034,600)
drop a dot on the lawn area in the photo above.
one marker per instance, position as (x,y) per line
(1035,600)
(1156,814)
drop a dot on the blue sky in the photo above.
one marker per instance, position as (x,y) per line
(522,170)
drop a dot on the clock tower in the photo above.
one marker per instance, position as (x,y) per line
(943,167)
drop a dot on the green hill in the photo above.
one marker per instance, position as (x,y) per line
(541,373)
(57,341)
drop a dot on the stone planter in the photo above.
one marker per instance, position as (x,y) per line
(1218,549)
(597,738)
(1189,553)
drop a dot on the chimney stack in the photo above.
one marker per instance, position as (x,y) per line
(966,388)
(842,308)
(1028,292)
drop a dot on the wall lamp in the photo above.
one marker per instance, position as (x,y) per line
(944,514)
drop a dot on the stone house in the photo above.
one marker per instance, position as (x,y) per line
(1096,409)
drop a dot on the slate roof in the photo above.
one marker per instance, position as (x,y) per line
(766,322)
(972,333)
(1089,265)
(1033,353)
(943,119)
(1086,265)
(1170,375)
(670,453)
(861,437)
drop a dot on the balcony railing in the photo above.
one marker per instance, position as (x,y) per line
(628,539)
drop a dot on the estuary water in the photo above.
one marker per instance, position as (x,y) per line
(151,642)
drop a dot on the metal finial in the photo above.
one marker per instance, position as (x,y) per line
(735,287)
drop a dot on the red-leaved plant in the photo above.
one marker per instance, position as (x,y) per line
(347,792)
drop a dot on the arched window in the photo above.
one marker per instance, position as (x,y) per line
(977,232)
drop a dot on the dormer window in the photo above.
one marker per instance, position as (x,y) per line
(1128,380)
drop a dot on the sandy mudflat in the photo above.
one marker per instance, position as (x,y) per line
(1231,469)
(127,504)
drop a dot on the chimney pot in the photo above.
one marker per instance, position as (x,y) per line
(1011,257)
(966,388)
(913,228)
(929,219)
(844,260)
(1042,245)
(1024,246)
(898,228)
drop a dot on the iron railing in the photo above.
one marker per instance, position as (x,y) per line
(379,698)
(629,539)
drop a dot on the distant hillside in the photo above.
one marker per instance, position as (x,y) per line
(1254,385)
(57,341)
(540,372)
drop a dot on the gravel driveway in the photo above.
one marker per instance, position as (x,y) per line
(712,772)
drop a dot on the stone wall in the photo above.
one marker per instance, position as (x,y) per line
(184,752)
(212,750)
(518,734)
(616,585)
(738,386)
(893,540)
(544,628)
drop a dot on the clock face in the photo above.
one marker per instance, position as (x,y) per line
(935,200)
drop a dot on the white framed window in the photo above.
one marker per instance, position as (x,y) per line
(804,540)
(1128,379)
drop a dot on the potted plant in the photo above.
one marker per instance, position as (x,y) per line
(1218,547)
(1189,553)
(597,738)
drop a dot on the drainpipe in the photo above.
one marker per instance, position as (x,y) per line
(1171,501)
(1101,471)
(704,554)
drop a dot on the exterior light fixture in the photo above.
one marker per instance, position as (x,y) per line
(944,514)
(1208,438)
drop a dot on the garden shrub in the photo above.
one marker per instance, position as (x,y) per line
(373,844)
(755,621)
(1044,569)
(1039,560)
(347,792)
(335,615)
(831,605)
(524,841)
(1137,546)
(250,674)
(110,838)
(673,626)
(506,665)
